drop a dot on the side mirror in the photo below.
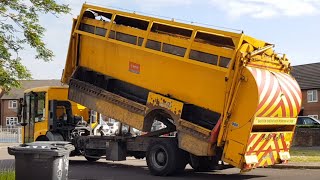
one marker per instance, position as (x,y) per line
(20,107)
(20,112)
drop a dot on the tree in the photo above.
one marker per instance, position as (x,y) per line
(19,26)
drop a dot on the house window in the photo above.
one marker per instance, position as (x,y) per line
(11,121)
(312,95)
(314,116)
(13,104)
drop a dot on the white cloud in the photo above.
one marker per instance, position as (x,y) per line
(142,4)
(58,31)
(268,8)
(151,4)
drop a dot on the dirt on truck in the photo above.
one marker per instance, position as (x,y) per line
(226,96)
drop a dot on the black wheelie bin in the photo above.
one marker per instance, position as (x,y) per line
(42,160)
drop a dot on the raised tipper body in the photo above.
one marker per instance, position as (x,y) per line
(226,94)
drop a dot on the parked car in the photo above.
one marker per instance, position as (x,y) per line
(306,120)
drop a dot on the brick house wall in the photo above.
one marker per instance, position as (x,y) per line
(308,77)
(7,112)
(1,94)
(310,108)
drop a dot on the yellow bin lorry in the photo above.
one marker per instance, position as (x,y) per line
(226,97)
(47,115)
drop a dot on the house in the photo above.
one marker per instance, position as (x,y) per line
(9,101)
(308,77)
(1,94)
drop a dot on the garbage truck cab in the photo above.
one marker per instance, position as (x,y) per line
(47,115)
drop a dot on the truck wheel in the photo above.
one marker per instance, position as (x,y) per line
(202,164)
(162,158)
(91,159)
(183,159)
(42,138)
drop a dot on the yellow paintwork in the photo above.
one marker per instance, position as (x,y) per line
(272,121)
(55,93)
(192,144)
(194,138)
(268,147)
(160,102)
(234,91)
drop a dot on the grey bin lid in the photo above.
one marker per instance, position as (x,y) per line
(50,148)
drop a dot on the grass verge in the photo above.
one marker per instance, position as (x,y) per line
(7,175)
(305,155)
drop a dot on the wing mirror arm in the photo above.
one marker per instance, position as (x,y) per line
(20,112)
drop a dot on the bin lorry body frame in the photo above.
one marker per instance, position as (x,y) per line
(227,95)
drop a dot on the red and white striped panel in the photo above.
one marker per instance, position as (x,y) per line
(280,94)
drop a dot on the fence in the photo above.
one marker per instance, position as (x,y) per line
(10,134)
(306,136)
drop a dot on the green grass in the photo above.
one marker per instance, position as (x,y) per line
(304,155)
(7,175)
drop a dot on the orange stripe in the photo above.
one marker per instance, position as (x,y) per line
(276,144)
(273,100)
(283,107)
(275,109)
(271,84)
(292,92)
(262,85)
(263,146)
(251,150)
(252,138)
(265,164)
(289,105)
(264,154)
(262,81)
(284,144)
(287,93)
(272,158)
(292,82)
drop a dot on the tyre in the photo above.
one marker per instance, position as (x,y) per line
(162,158)
(182,161)
(139,155)
(42,138)
(92,159)
(202,163)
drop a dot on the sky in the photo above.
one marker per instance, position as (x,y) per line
(292,25)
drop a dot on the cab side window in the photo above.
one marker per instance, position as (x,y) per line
(40,107)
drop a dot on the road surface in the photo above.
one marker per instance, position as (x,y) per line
(137,169)
(133,169)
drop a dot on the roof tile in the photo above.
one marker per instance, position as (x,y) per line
(17,93)
(307,75)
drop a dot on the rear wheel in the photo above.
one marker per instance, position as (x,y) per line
(42,138)
(91,159)
(183,159)
(163,158)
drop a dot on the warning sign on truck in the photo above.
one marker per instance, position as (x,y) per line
(134,67)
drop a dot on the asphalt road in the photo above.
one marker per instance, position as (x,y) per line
(136,169)
(133,169)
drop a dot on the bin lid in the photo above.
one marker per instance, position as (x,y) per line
(51,148)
